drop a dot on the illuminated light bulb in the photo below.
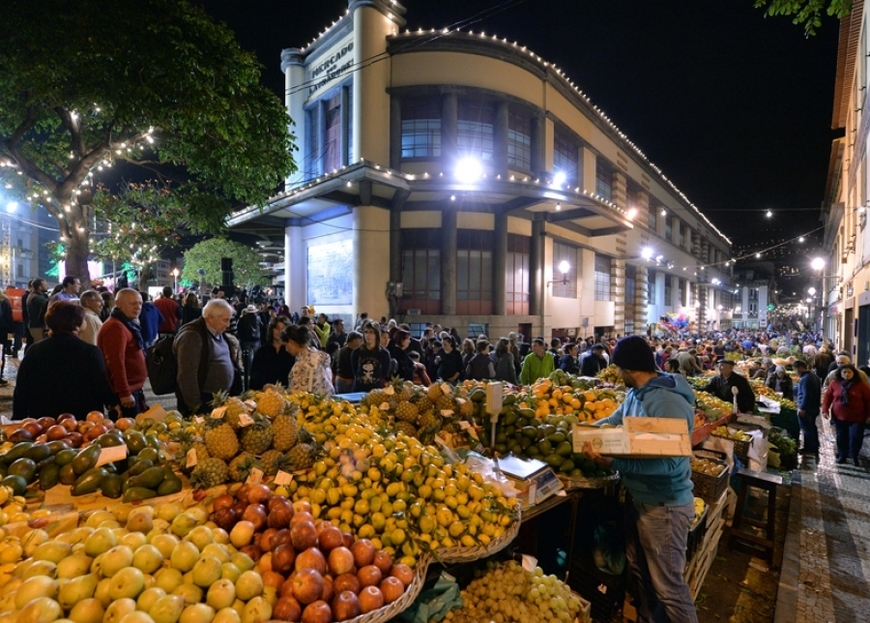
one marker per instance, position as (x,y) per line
(452,197)
(558,206)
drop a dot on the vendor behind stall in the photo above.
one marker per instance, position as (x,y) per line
(721,386)
(659,505)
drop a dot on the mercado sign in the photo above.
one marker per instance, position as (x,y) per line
(331,65)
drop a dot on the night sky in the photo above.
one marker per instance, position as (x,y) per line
(734,108)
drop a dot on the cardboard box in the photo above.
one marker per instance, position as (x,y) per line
(638,437)
(535,479)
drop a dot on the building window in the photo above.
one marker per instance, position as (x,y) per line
(668,301)
(312,143)
(630,286)
(669,230)
(682,234)
(332,133)
(602,278)
(651,217)
(651,287)
(603,179)
(680,292)
(421,270)
(519,143)
(325,133)
(566,156)
(474,130)
(421,128)
(474,272)
(629,326)
(567,287)
(517,275)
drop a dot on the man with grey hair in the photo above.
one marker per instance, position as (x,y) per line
(120,340)
(92,303)
(205,359)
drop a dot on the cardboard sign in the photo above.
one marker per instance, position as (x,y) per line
(218,413)
(112,454)
(191,458)
(245,420)
(283,478)
(256,477)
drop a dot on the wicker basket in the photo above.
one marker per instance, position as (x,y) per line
(388,613)
(469,554)
(588,483)
(708,487)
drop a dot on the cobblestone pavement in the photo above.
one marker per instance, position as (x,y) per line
(826,563)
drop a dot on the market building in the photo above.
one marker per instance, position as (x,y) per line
(459,177)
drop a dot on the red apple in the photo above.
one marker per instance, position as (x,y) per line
(369,575)
(287,608)
(329,537)
(311,558)
(283,558)
(403,572)
(328,589)
(392,588)
(347,582)
(341,560)
(307,585)
(370,598)
(303,534)
(345,606)
(318,612)
(363,553)
(383,561)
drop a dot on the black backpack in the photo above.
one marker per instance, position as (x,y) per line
(162,366)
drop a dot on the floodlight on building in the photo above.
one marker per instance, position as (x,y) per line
(768,214)
(632,212)
(801,239)
(818,263)
(664,212)
(811,291)
(564,267)
(559,179)
(646,253)
(468,170)
(11,207)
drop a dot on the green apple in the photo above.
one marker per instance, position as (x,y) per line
(221,594)
(165,543)
(53,551)
(249,585)
(116,559)
(99,541)
(137,617)
(191,592)
(118,609)
(74,566)
(168,579)
(257,610)
(184,556)
(167,609)
(206,571)
(77,589)
(87,611)
(38,586)
(147,558)
(227,615)
(40,610)
(197,613)
(200,536)
(148,597)
(128,582)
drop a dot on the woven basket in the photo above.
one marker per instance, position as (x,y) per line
(588,483)
(388,613)
(468,554)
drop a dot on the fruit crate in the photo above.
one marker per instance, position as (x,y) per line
(696,534)
(741,447)
(707,487)
(605,592)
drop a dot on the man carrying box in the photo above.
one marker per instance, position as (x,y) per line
(659,505)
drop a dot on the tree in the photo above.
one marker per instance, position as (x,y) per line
(806,12)
(206,256)
(88,83)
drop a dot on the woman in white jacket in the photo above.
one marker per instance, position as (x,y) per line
(311,372)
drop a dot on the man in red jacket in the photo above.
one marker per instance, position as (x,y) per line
(120,340)
(170,310)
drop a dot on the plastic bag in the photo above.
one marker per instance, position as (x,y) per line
(434,604)
(491,474)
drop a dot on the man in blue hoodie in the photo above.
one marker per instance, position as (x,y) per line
(659,505)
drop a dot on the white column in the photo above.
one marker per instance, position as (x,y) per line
(295,268)
(371,254)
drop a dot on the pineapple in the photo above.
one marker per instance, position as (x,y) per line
(241,466)
(301,456)
(466,407)
(285,432)
(377,397)
(444,403)
(429,419)
(209,473)
(406,412)
(406,428)
(434,392)
(271,404)
(423,403)
(270,460)
(201,451)
(400,392)
(257,438)
(221,442)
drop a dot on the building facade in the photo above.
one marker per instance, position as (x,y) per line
(458,177)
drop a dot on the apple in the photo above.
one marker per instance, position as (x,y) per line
(128,582)
(249,585)
(272,579)
(307,585)
(116,559)
(167,609)
(328,589)
(341,560)
(221,594)
(329,537)
(87,611)
(363,552)
(370,598)
(206,571)
(345,606)
(391,588)
(311,558)
(302,506)
(257,610)
(118,609)
(383,561)
(38,586)
(369,575)
(283,558)
(40,610)
(197,613)
(317,612)
(287,608)
(148,597)
(77,589)
(303,534)
(347,582)
(184,556)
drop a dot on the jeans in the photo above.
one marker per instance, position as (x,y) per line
(810,430)
(655,550)
(850,438)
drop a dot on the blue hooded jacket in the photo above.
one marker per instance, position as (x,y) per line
(665,480)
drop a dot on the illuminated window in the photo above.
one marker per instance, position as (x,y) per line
(602,278)
(517,275)
(421,128)
(474,129)
(566,155)
(603,179)
(519,142)
(565,253)
(474,272)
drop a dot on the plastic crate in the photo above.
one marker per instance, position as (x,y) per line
(696,535)
(605,592)
(707,487)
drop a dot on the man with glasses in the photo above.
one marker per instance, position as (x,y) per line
(92,302)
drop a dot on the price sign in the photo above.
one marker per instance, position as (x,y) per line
(218,413)
(255,478)
(283,478)
(112,454)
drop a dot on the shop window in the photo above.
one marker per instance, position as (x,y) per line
(602,278)
(603,180)
(517,275)
(565,155)
(421,270)
(474,272)
(566,288)
(474,136)
(519,142)
(421,128)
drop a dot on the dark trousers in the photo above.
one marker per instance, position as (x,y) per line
(850,438)
(810,430)
(139,406)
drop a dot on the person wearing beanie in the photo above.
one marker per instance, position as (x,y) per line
(722,384)
(781,382)
(659,505)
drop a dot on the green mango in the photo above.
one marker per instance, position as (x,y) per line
(86,459)
(49,476)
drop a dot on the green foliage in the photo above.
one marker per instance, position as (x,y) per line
(88,83)
(806,12)
(206,255)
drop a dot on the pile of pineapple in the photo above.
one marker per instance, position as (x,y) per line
(257,431)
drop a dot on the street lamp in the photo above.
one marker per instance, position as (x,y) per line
(175,276)
(564,268)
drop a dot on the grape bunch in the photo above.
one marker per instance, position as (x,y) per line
(509,594)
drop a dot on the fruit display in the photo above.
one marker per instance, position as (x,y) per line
(714,408)
(509,593)
(706,466)
(729,433)
(760,389)
(610,375)
(588,403)
(700,508)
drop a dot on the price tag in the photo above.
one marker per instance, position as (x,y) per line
(245,420)
(446,388)
(385,406)
(157,412)
(191,458)
(530,563)
(255,478)
(469,429)
(283,478)
(112,454)
(199,419)
(218,413)
(250,404)
(440,441)
(447,412)
(389,391)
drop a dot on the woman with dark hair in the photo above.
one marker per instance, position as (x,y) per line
(272,363)
(312,371)
(847,403)
(505,368)
(108,305)
(398,349)
(190,308)
(371,361)
(449,360)
(468,351)
(61,374)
